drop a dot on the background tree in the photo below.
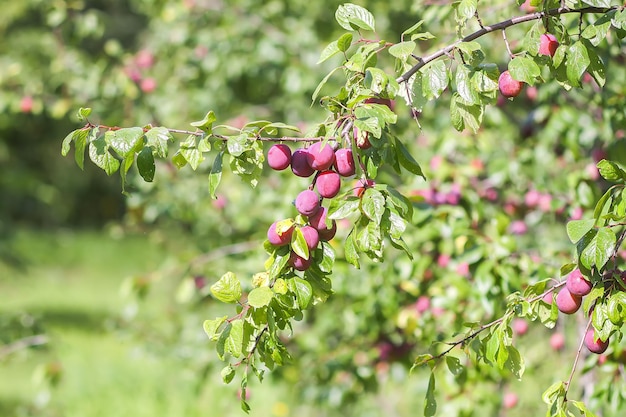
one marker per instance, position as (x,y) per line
(483,237)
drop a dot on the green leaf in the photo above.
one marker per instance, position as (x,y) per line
(234,341)
(598,3)
(227,289)
(604,246)
(352,17)
(381,112)
(413,28)
(596,67)
(350,250)
(344,42)
(485,80)
(191,153)
(430,402)
(454,365)
(211,327)
(260,297)
(582,408)
(79,137)
(597,32)
(322,83)
(434,79)
(463,115)
(370,124)
(158,138)
(406,159)
(124,141)
(603,205)
(515,363)
(298,244)
(340,209)
(465,9)
(597,247)
(145,164)
(228,373)
(329,51)
(206,124)
(302,290)
(577,62)
(100,155)
(80,144)
(279,125)
(554,392)
(65,146)
(524,69)
(373,204)
(576,229)
(83,113)
(611,171)
(464,85)
(216,174)
(402,50)
(376,80)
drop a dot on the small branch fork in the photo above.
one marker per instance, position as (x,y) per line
(499,26)
(487,326)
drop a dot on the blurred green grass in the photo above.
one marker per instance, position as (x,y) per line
(71,288)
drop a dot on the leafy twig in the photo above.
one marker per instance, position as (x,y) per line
(499,26)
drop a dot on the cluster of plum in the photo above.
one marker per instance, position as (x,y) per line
(510,87)
(569,300)
(328,165)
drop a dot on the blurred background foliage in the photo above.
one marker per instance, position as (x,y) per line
(491,215)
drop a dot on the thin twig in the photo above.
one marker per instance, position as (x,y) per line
(499,26)
(487,326)
(222,137)
(506,42)
(580,348)
(36,340)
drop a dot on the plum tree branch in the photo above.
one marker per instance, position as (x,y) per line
(576,359)
(484,327)
(222,137)
(499,26)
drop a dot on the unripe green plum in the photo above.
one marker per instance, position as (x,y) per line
(344,162)
(577,284)
(307,203)
(311,236)
(595,345)
(548,44)
(509,87)
(279,157)
(567,302)
(279,233)
(300,164)
(328,184)
(321,157)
